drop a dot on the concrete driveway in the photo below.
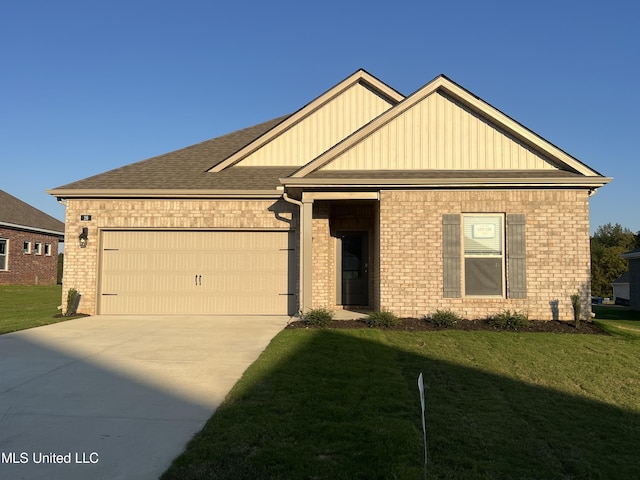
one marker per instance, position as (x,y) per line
(117,397)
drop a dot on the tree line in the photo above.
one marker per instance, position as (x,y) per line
(607,243)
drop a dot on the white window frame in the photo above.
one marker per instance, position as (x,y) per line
(37,248)
(5,255)
(501,235)
(47,249)
(26,248)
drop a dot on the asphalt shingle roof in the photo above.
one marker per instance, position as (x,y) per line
(17,212)
(187,168)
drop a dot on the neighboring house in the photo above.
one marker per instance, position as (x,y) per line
(634,277)
(621,289)
(29,241)
(362,198)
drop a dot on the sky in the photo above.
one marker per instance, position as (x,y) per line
(87,86)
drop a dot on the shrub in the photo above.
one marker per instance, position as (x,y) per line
(444,318)
(383,318)
(72,302)
(577,308)
(318,317)
(508,320)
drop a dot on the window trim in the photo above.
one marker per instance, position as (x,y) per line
(37,248)
(502,256)
(5,255)
(26,248)
(47,249)
(515,251)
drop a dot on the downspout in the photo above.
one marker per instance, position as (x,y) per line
(300,205)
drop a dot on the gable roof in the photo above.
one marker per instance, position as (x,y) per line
(624,278)
(368,89)
(547,152)
(14,213)
(184,171)
(293,151)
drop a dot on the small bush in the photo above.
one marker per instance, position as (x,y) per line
(72,302)
(381,319)
(444,318)
(577,308)
(318,317)
(509,320)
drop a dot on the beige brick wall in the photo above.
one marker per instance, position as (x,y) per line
(557,242)
(81,264)
(323,257)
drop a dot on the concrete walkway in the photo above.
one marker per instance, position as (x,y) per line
(117,397)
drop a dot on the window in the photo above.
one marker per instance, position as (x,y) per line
(47,249)
(26,247)
(483,255)
(37,248)
(4,254)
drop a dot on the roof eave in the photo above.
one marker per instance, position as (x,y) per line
(154,193)
(32,229)
(583,182)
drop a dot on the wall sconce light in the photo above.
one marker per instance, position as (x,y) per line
(83,237)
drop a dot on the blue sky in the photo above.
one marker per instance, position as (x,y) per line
(87,86)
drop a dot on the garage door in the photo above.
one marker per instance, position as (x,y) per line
(196,272)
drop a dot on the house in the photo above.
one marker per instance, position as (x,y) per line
(634,277)
(621,289)
(361,198)
(29,240)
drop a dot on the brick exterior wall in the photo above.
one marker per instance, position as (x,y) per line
(323,286)
(405,231)
(29,269)
(557,249)
(81,264)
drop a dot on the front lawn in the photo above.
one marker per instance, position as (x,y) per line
(23,307)
(343,404)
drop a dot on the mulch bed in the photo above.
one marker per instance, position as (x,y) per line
(421,325)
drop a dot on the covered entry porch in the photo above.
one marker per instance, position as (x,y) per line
(340,250)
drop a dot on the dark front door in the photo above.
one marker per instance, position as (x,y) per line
(355,268)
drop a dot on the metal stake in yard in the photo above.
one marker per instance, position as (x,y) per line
(424,424)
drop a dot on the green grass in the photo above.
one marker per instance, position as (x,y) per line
(618,320)
(343,404)
(23,307)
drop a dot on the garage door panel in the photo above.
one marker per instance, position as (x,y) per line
(196,272)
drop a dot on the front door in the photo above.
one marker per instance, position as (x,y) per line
(355,268)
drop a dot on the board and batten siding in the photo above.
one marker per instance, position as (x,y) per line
(320,130)
(439,133)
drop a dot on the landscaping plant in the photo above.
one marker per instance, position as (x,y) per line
(318,317)
(508,320)
(381,319)
(577,308)
(72,302)
(444,318)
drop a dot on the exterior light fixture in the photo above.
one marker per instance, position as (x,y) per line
(83,237)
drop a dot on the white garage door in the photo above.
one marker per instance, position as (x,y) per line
(196,272)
